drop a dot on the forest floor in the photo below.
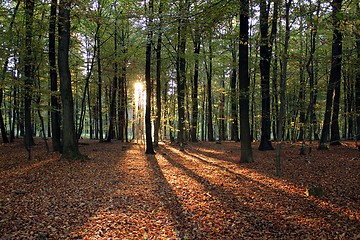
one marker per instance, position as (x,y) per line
(200,193)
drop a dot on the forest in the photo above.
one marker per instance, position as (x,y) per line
(183,119)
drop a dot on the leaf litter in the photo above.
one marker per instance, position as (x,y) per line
(200,193)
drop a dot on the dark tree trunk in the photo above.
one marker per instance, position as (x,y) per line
(181,71)
(244,82)
(112,112)
(70,144)
(302,95)
(195,86)
(29,68)
(158,78)
(149,143)
(99,95)
(333,92)
(55,106)
(209,74)
(265,58)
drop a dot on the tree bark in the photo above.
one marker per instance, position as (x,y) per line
(265,58)
(70,144)
(112,112)
(29,68)
(181,70)
(333,92)
(282,116)
(55,106)
(195,85)
(99,71)
(209,74)
(244,83)
(149,143)
(158,78)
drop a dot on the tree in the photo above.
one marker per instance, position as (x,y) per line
(158,76)
(112,111)
(283,87)
(2,78)
(265,58)
(195,85)
(244,83)
(70,144)
(55,106)
(209,77)
(181,68)
(149,143)
(29,74)
(333,92)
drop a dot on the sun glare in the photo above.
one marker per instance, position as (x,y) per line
(139,95)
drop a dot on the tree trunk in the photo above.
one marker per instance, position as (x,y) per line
(244,82)
(222,136)
(2,79)
(112,112)
(209,74)
(282,116)
(99,95)
(333,92)
(158,78)
(55,106)
(149,143)
(29,68)
(195,86)
(181,71)
(70,144)
(265,58)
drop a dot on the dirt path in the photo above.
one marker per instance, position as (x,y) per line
(202,193)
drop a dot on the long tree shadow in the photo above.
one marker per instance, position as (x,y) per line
(301,206)
(352,197)
(228,200)
(170,200)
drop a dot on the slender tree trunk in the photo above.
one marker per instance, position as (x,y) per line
(29,68)
(70,144)
(55,106)
(222,136)
(209,74)
(2,79)
(181,71)
(99,96)
(149,143)
(195,86)
(85,91)
(282,116)
(302,95)
(244,82)
(158,78)
(112,112)
(333,92)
